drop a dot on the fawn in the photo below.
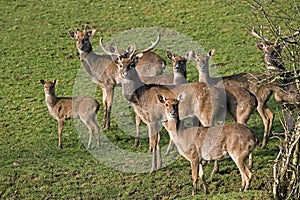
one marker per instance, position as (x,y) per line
(63,108)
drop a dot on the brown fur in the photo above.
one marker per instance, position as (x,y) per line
(103,71)
(203,101)
(240,89)
(208,143)
(178,77)
(64,108)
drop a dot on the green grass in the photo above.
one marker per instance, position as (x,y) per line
(35,45)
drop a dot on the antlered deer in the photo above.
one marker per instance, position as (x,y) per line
(208,143)
(104,72)
(282,81)
(202,101)
(64,108)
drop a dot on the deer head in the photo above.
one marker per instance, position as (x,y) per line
(82,38)
(171,105)
(49,87)
(129,59)
(201,60)
(272,51)
(179,62)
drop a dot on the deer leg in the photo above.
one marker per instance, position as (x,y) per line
(96,129)
(250,160)
(215,169)
(60,128)
(89,126)
(108,94)
(87,120)
(158,153)
(244,171)
(152,146)
(137,128)
(104,102)
(201,175)
(289,119)
(267,117)
(170,147)
(195,171)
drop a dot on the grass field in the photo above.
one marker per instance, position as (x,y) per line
(35,45)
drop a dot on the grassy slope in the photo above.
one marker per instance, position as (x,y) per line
(35,45)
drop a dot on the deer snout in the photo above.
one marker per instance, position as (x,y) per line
(124,74)
(173,113)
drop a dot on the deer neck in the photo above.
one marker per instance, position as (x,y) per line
(173,126)
(204,75)
(179,78)
(131,86)
(89,57)
(51,100)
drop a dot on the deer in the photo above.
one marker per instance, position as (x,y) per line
(64,108)
(178,77)
(251,83)
(203,101)
(208,143)
(104,73)
(283,81)
(240,102)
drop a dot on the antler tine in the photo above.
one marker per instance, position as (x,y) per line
(292,36)
(116,53)
(152,45)
(260,36)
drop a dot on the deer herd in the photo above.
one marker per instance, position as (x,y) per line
(167,100)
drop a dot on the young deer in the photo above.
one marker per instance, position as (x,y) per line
(203,101)
(64,108)
(104,72)
(208,143)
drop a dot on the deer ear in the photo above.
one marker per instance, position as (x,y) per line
(161,98)
(55,81)
(181,97)
(42,82)
(72,33)
(260,45)
(139,55)
(115,58)
(170,55)
(91,33)
(211,53)
(280,48)
(191,54)
(129,49)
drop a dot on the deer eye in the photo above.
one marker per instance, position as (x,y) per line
(167,104)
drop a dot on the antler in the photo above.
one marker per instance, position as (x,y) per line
(114,53)
(151,47)
(130,50)
(288,38)
(260,36)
